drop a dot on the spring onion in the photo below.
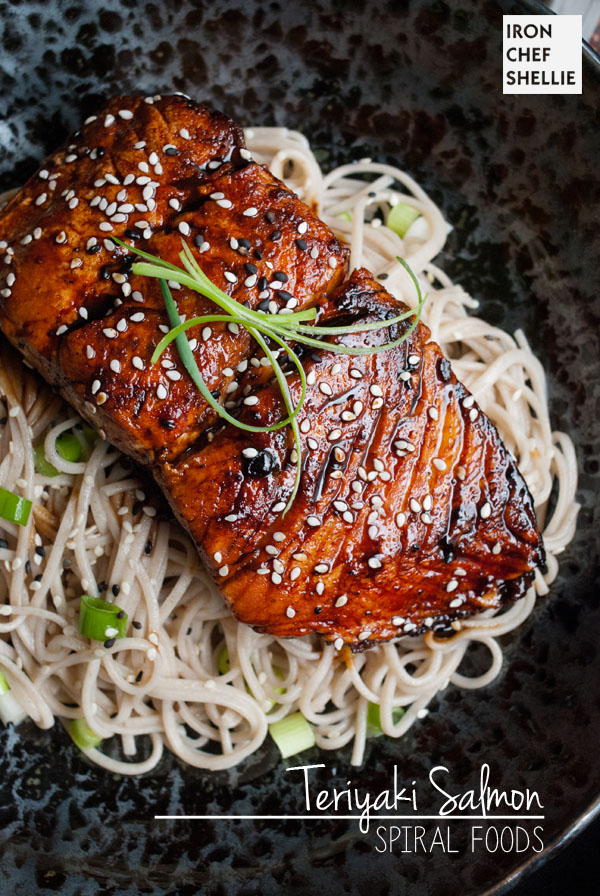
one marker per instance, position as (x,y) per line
(68,447)
(101,620)
(345,216)
(400,217)
(14,508)
(10,708)
(41,463)
(262,327)
(374,728)
(82,734)
(223,664)
(292,734)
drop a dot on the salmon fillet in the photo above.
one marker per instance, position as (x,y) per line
(410,514)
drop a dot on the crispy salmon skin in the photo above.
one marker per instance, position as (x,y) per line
(410,513)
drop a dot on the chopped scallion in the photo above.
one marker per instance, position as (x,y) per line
(68,447)
(14,508)
(82,734)
(223,664)
(292,734)
(400,217)
(4,686)
(101,620)
(41,463)
(374,728)
(345,216)
(10,708)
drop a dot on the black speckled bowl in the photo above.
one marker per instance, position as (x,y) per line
(418,84)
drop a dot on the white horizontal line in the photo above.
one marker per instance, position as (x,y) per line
(348,817)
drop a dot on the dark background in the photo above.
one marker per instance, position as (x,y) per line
(417,84)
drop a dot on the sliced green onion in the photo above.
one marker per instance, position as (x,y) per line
(101,620)
(292,734)
(401,216)
(14,508)
(41,463)
(345,216)
(10,708)
(374,728)
(223,664)
(90,433)
(82,734)
(68,447)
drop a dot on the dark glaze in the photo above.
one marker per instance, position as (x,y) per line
(231,504)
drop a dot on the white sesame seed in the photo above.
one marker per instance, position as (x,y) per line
(62,329)
(101,398)
(374,563)
(302,227)
(313,520)
(334,435)
(184,228)
(161,391)
(439,464)
(400,519)
(251,400)
(233,328)
(137,362)
(126,114)
(376,390)
(223,570)
(415,506)
(250,212)
(115,366)
(277,508)
(485,511)
(138,317)
(348,517)
(225,203)
(230,276)
(41,199)
(452,585)
(497,548)
(290,612)
(295,573)
(251,280)
(325,388)
(109,120)
(433,413)
(278,536)
(250,452)
(363,636)
(427,502)
(338,643)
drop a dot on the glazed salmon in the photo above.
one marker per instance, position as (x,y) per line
(410,512)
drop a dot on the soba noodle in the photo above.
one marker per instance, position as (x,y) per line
(95,523)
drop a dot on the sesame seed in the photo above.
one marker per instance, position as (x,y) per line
(250,212)
(325,388)
(137,362)
(184,228)
(277,508)
(251,401)
(415,506)
(452,585)
(427,502)
(225,203)
(497,548)
(374,563)
(251,280)
(334,435)
(433,413)
(338,643)
(109,120)
(439,464)
(400,519)
(313,520)
(363,636)
(230,276)
(290,612)
(206,333)
(223,570)
(295,573)
(348,517)
(161,391)
(473,414)
(126,114)
(102,397)
(355,374)
(41,199)
(115,366)
(250,452)
(485,511)
(397,620)
(278,536)
(62,329)
(376,390)
(302,227)
(138,317)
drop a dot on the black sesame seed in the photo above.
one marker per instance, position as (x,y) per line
(136,624)
(167,424)
(138,677)
(189,631)
(264,305)
(257,254)
(276,235)
(120,614)
(148,548)
(302,245)
(40,551)
(250,268)
(136,508)
(100,152)
(215,393)
(132,234)
(198,239)
(262,464)
(281,276)
(270,216)
(110,642)
(284,294)
(102,586)
(3,543)
(382,276)
(116,589)
(104,272)
(95,248)
(3,420)
(318,610)
(244,243)
(27,567)
(171,151)
(262,283)
(38,578)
